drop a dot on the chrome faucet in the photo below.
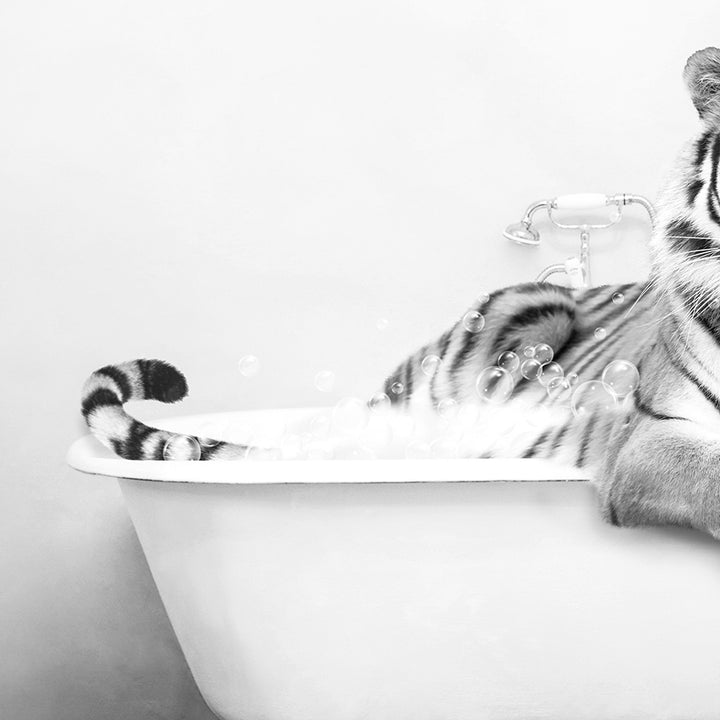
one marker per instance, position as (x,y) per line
(577,268)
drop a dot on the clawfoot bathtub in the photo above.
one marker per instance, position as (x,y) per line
(419,589)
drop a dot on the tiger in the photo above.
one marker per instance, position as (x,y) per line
(654,458)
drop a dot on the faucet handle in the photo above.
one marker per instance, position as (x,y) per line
(576,273)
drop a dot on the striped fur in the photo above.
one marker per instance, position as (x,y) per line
(655,457)
(110,387)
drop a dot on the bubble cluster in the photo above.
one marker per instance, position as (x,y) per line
(473,321)
(324,380)
(354,451)
(378,433)
(248,366)
(181,447)
(292,446)
(317,451)
(445,448)
(260,454)
(494,385)
(350,416)
(417,450)
(320,426)
(430,364)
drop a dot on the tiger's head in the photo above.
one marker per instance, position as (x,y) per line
(686,243)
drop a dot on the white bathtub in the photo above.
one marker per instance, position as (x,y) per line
(420,589)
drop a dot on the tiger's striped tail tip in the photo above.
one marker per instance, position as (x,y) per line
(110,387)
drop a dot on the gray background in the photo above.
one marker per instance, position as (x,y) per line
(199,181)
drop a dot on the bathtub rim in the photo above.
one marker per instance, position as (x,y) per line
(87,455)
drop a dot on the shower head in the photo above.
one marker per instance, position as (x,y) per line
(522,233)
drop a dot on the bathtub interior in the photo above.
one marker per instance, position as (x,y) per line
(268,428)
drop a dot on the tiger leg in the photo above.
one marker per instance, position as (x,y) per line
(667,472)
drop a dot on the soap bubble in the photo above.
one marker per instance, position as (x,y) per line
(530,368)
(292,446)
(483,297)
(378,433)
(444,448)
(379,402)
(559,390)
(447,408)
(509,361)
(350,416)
(494,385)
(248,365)
(468,413)
(600,333)
(543,353)
(529,351)
(260,454)
(397,388)
(209,432)
(318,451)
(572,378)
(324,380)
(382,324)
(181,447)
(320,426)
(618,298)
(404,426)
(621,376)
(208,442)
(473,321)
(430,364)
(590,397)
(417,450)
(240,433)
(549,371)
(539,416)
(354,451)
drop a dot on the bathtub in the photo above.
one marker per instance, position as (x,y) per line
(419,589)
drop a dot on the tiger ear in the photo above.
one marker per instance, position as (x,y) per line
(702,75)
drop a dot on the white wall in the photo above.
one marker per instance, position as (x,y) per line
(198,181)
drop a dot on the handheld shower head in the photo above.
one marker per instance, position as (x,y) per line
(522,233)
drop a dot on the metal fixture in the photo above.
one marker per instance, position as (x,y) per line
(576,268)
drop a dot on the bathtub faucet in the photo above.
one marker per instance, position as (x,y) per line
(577,268)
